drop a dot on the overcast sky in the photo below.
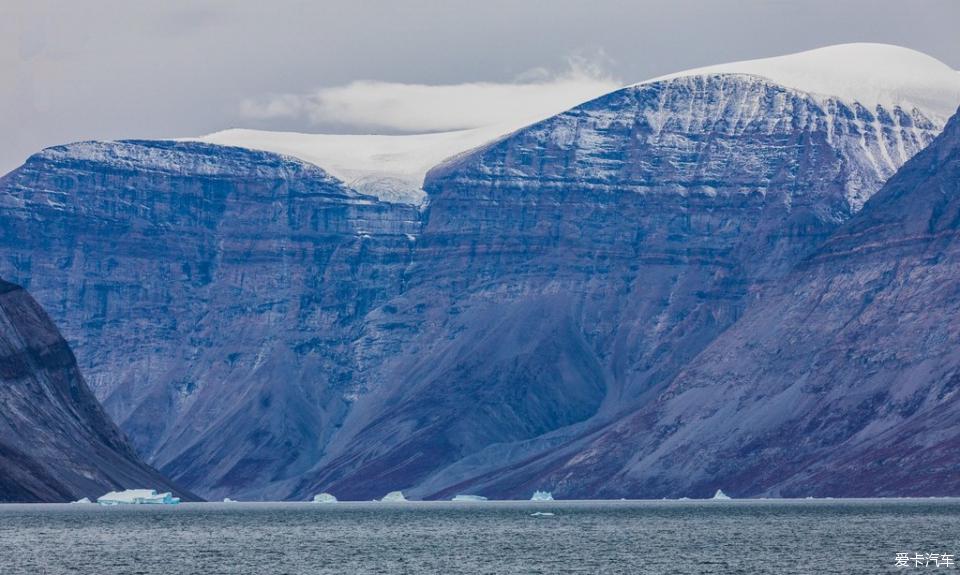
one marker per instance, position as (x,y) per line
(99,69)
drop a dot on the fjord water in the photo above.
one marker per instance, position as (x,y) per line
(758,536)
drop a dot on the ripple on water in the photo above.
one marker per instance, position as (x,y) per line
(682,537)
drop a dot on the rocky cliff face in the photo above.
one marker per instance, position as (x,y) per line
(56,443)
(210,292)
(567,272)
(260,329)
(841,380)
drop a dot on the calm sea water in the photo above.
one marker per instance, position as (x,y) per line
(857,536)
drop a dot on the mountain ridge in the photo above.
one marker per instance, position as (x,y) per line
(394,167)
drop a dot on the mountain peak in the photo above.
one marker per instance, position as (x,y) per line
(866,73)
(393,167)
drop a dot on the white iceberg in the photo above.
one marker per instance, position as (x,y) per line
(542,496)
(83,500)
(393,497)
(541,514)
(138,497)
(469,498)
(324,498)
(228,500)
(720,495)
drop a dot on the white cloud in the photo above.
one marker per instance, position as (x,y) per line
(373,106)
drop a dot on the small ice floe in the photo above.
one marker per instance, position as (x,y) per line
(394,497)
(541,514)
(720,495)
(83,500)
(542,496)
(324,498)
(138,497)
(469,498)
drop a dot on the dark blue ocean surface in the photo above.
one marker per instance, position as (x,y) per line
(774,536)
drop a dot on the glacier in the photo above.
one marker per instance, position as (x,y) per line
(390,167)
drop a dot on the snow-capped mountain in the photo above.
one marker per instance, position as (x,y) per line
(56,443)
(869,75)
(261,327)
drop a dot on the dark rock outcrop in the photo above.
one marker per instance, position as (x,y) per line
(56,442)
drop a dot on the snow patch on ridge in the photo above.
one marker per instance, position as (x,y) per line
(865,73)
(391,167)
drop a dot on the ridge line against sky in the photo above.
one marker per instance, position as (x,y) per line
(109,69)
